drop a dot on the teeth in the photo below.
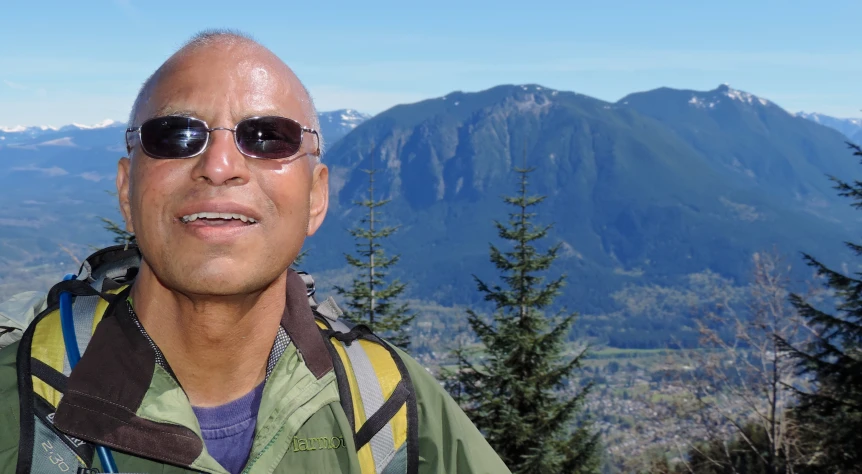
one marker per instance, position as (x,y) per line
(216,215)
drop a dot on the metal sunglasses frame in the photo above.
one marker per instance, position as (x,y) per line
(302,130)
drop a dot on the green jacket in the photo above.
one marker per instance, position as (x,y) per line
(119,396)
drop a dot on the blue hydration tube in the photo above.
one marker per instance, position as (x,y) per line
(68,325)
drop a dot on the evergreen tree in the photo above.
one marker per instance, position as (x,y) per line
(520,393)
(370,299)
(830,413)
(121,235)
(299,258)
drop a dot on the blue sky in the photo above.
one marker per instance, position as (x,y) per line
(64,62)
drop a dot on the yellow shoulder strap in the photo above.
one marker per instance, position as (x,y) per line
(379,395)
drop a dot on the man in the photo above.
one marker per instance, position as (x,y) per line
(202,363)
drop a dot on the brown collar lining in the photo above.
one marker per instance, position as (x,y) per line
(298,321)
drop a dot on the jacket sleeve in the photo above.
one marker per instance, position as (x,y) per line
(9,422)
(448,440)
(18,312)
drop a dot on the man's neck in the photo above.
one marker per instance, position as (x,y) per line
(217,346)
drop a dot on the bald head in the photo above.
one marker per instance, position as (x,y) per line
(238,48)
(222,79)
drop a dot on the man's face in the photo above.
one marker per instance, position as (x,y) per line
(287,198)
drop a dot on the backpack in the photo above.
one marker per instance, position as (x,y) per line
(374,386)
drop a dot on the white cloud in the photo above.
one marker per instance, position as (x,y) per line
(15,85)
(95,177)
(65,141)
(20,223)
(21,87)
(52,171)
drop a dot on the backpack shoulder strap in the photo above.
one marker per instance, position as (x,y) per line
(376,393)
(43,367)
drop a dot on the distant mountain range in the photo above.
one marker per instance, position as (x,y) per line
(645,191)
(850,127)
(334,125)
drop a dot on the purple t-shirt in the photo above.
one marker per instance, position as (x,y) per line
(228,430)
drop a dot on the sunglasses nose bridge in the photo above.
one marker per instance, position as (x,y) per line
(226,129)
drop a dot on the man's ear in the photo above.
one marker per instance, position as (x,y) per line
(124,170)
(319,201)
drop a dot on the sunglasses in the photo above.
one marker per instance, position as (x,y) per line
(176,137)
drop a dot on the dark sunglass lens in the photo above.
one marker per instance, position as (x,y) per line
(269,137)
(173,137)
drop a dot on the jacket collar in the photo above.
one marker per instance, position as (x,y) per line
(107,387)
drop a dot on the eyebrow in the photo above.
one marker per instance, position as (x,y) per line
(171,110)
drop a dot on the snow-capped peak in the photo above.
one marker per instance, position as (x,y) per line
(701,103)
(850,127)
(820,118)
(103,124)
(46,128)
(21,128)
(741,95)
(710,99)
(345,118)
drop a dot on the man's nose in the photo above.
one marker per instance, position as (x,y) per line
(222,163)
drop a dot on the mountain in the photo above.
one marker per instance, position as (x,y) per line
(851,128)
(648,190)
(658,190)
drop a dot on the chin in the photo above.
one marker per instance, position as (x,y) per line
(223,280)
(221,286)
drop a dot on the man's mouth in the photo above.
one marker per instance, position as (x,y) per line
(217,218)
